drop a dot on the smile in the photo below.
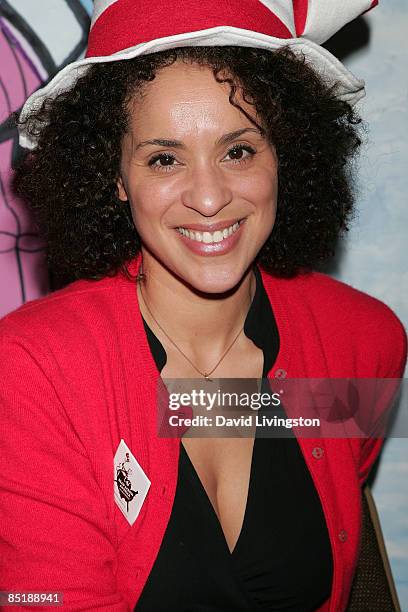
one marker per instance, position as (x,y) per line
(210,237)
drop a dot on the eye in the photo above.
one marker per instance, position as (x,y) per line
(241,153)
(162,161)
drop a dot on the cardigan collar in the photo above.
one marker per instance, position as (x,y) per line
(270,285)
(260,327)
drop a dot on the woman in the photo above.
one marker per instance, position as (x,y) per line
(216,176)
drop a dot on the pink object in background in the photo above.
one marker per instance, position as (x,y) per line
(36,41)
(23,271)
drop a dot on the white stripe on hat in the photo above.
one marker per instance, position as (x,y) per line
(100,7)
(326,17)
(284,10)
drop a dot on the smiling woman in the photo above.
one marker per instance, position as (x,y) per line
(210,172)
(188,192)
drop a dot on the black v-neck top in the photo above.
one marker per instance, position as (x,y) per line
(282,560)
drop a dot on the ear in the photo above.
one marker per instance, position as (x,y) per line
(121,190)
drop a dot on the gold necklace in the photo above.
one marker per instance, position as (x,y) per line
(205,375)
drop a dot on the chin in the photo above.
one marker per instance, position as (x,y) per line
(214,279)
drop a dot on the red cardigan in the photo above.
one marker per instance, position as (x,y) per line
(77,375)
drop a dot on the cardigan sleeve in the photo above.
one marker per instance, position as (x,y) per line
(393,358)
(54,532)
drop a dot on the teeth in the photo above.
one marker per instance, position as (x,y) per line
(209,237)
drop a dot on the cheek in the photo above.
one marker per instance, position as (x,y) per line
(264,199)
(149,201)
(261,189)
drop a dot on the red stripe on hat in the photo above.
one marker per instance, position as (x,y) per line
(127,23)
(300,8)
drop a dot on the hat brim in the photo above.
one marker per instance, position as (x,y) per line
(347,86)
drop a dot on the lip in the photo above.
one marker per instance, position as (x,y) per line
(211,227)
(215,248)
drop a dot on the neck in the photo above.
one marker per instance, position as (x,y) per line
(201,323)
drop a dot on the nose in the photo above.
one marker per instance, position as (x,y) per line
(207,190)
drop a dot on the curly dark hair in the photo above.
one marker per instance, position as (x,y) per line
(70,179)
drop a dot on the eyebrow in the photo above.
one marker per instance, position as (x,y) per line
(225,139)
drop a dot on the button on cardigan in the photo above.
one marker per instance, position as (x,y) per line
(77,376)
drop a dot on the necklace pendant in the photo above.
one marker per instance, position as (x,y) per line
(207,377)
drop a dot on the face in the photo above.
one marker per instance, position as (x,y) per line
(200,178)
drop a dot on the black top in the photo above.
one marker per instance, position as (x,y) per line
(282,559)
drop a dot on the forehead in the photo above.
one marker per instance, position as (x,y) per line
(185,97)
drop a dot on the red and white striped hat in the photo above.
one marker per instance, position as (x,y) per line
(124,29)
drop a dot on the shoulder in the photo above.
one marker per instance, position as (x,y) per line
(354,313)
(56,350)
(333,299)
(61,318)
(338,299)
(347,318)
